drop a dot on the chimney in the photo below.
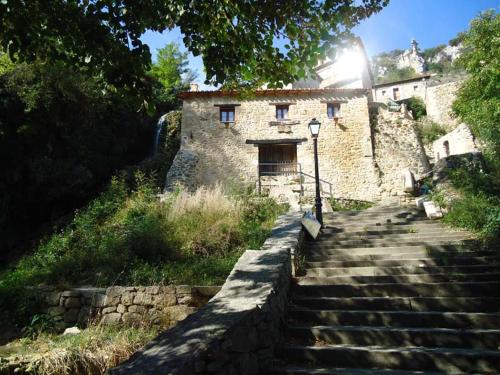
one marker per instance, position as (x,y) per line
(193,87)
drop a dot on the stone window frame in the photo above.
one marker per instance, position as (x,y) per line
(334,104)
(227,108)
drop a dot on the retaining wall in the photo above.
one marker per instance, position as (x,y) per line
(237,331)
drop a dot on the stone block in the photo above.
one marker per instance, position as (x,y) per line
(98,300)
(71,293)
(244,339)
(111,318)
(432,210)
(84,316)
(53,298)
(137,309)
(121,308)
(183,289)
(110,309)
(71,315)
(113,295)
(143,299)
(131,318)
(72,302)
(128,298)
(152,289)
(56,310)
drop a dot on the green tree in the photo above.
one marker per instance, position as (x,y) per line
(171,72)
(236,39)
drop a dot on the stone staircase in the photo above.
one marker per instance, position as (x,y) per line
(387,291)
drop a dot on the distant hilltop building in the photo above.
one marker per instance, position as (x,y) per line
(412,58)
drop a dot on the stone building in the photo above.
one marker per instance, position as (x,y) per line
(458,141)
(263,139)
(403,89)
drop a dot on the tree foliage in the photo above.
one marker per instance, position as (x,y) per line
(236,39)
(62,134)
(478,100)
(171,73)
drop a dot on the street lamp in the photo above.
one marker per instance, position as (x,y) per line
(314,127)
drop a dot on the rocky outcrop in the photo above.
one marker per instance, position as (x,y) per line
(412,58)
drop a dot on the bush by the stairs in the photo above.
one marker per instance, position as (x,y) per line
(416,106)
(476,206)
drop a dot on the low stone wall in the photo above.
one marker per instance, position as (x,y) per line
(459,141)
(184,171)
(159,304)
(237,331)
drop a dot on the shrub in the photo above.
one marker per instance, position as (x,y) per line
(430,131)
(417,107)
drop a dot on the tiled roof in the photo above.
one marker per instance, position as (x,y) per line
(233,93)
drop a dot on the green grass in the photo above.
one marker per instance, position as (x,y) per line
(430,131)
(92,351)
(130,237)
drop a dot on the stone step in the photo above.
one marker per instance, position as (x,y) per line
(419,304)
(407,262)
(416,278)
(451,360)
(437,319)
(434,251)
(445,240)
(375,221)
(308,370)
(400,270)
(395,256)
(355,227)
(395,336)
(434,233)
(452,289)
(381,231)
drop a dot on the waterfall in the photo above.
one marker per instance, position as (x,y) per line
(159,128)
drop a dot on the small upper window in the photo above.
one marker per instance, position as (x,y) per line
(333,110)
(281,112)
(383,92)
(415,88)
(227,114)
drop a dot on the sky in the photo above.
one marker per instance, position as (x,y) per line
(430,22)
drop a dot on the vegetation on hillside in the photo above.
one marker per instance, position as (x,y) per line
(128,236)
(64,133)
(478,104)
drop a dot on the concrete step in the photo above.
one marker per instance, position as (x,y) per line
(400,270)
(391,251)
(449,360)
(308,370)
(396,256)
(419,304)
(437,319)
(416,278)
(445,240)
(407,262)
(359,228)
(423,236)
(382,231)
(453,289)
(395,336)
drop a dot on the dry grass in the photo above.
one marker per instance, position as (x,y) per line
(212,201)
(91,352)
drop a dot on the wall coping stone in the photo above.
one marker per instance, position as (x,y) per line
(257,286)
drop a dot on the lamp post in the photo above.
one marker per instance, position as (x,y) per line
(314,127)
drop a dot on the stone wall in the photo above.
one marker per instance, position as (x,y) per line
(439,101)
(397,147)
(345,148)
(459,141)
(117,304)
(236,331)
(184,171)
